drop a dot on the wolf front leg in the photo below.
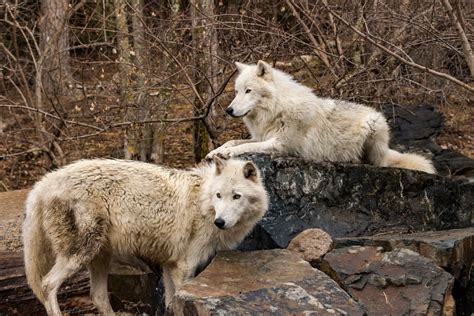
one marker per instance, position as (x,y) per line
(173,278)
(229,144)
(237,142)
(271,146)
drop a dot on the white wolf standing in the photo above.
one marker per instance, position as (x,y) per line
(286,117)
(82,214)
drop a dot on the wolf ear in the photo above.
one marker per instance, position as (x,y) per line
(264,70)
(250,171)
(240,66)
(220,164)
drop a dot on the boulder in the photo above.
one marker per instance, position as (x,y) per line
(355,200)
(399,282)
(275,282)
(311,245)
(452,250)
(416,129)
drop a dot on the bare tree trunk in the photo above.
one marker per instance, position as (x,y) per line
(205,44)
(159,129)
(131,148)
(53,71)
(54,63)
(143,135)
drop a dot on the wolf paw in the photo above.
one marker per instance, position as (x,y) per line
(224,153)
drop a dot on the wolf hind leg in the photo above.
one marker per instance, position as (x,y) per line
(98,270)
(77,236)
(376,145)
(62,269)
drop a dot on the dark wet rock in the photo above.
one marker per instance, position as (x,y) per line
(449,162)
(311,245)
(463,293)
(355,200)
(399,282)
(133,287)
(275,282)
(416,129)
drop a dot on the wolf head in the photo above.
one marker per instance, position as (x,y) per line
(252,86)
(235,193)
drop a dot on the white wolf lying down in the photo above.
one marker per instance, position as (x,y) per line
(82,214)
(285,117)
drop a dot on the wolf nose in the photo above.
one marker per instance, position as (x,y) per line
(229,111)
(219,222)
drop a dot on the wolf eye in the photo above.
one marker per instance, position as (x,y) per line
(248,90)
(236,196)
(218,195)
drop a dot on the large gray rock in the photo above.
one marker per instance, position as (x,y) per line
(355,200)
(399,282)
(272,282)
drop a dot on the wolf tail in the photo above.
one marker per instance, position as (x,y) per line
(409,161)
(38,254)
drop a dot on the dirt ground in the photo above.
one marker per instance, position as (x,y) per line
(11,217)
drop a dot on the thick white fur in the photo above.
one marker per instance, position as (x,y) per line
(285,117)
(83,213)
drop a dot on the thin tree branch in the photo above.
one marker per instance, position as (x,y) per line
(403,60)
(466,47)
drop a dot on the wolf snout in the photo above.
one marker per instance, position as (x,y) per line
(220,223)
(230,111)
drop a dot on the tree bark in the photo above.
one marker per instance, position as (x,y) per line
(54,66)
(131,150)
(205,45)
(159,129)
(143,135)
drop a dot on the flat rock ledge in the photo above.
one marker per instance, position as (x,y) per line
(453,250)
(398,282)
(272,282)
